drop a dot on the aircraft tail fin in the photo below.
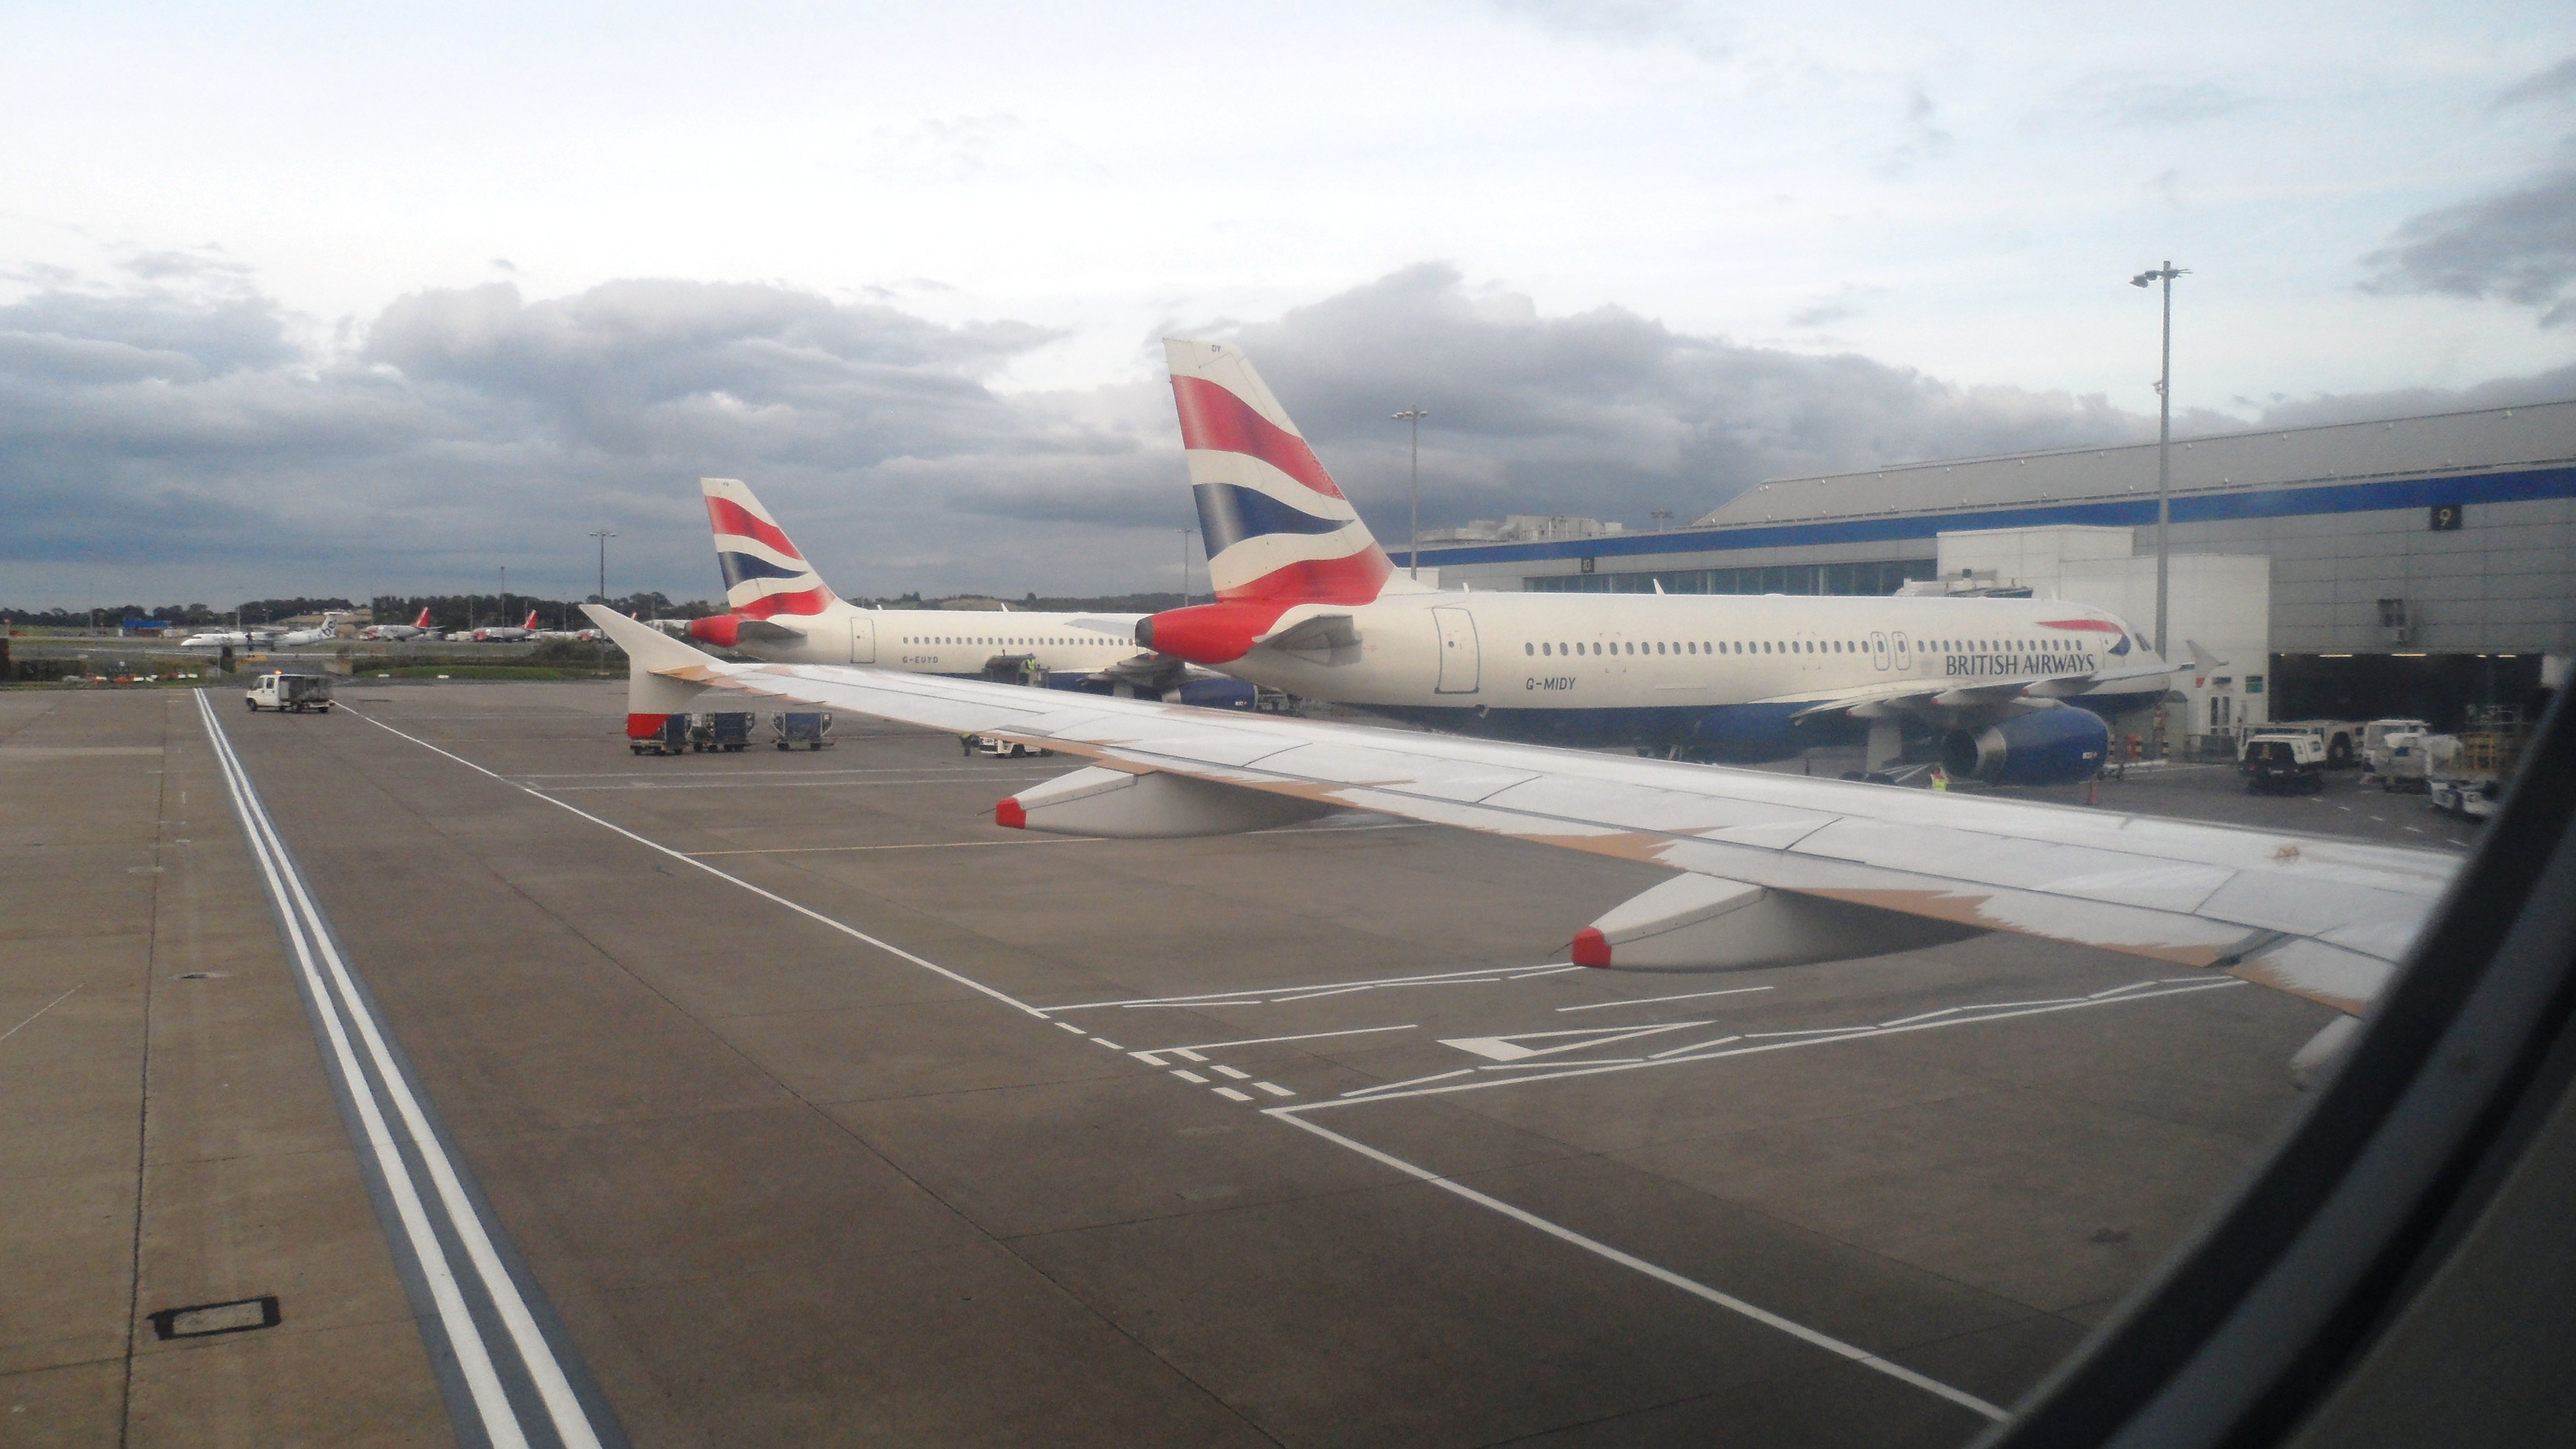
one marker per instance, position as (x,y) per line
(1277,528)
(764,573)
(531,625)
(423,621)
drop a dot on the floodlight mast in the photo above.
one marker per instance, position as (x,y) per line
(1413,545)
(2164,449)
(603,536)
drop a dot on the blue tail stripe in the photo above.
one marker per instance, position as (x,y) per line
(740,566)
(1229,514)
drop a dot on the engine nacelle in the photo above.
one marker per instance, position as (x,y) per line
(2059,746)
(1704,923)
(1154,806)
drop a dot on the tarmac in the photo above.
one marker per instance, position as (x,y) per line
(435,1072)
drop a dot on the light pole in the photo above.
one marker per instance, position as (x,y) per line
(2164,449)
(1413,544)
(2164,475)
(603,536)
(1661,516)
(1185,534)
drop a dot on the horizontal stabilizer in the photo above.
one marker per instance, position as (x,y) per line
(1321,634)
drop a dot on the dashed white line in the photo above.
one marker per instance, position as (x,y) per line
(1274,1089)
(1192,1078)
(1231,1095)
(1113,1046)
(1184,1053)
(1650,1000)
(1069,1026)
(1222,1070)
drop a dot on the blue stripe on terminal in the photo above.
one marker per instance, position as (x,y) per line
(740,566)
(1229,514)
(2519,485)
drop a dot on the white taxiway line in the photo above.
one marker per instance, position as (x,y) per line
(41,1010)
(1650,1000)
(1663,1275)
(920,845)
(344,1015)
(1244,997)
(1287,1113)
(1773,1041)
(773,897)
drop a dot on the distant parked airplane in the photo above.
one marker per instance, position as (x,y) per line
(327,631)
(506,633)
(412,630)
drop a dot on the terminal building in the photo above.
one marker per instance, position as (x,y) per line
(2411,566)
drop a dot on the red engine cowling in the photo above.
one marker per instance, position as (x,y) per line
(723,630)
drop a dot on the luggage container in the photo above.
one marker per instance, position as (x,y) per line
(671,739)
(726,730)
(810,728)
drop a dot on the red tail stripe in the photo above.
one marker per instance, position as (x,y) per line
(727,516)
(1351,579)
(1217,420)
(811,601)
(2106,628)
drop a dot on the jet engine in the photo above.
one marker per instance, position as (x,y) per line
(2044,747)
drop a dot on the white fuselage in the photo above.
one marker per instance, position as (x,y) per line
(221,639)
(391,631)
(1533,651)
(950,641)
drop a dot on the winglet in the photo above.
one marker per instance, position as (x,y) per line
(2202,661)
(653,658)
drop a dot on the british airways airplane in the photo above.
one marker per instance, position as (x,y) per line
(1307,602)
(778,609)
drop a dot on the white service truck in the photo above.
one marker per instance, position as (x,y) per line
(2286,762)
(282,692)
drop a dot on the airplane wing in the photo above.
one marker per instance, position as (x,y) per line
(2322,919)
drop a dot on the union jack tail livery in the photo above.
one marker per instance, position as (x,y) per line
(763,572)
(1277,529)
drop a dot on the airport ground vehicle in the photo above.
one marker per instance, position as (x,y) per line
(669,737)
(992,747)
(725,730)
(283,692)
(810,728)
(2283,763)
(2342,738)
(2376,752)
(2410,760)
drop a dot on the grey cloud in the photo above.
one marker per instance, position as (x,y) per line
(2557,82)
(216,334)
(195,447)
(2556,385)
(1606,412)
(192,266)
(2518,245)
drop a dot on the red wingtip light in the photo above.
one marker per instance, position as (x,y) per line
(1010,816)
(1591,948)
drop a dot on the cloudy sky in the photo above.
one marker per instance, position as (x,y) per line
(301,301)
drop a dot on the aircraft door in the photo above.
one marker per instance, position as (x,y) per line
(1904,652)
(1878,651)
(1458,665)
(863,639)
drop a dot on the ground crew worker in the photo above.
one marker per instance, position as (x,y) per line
(1940,778)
